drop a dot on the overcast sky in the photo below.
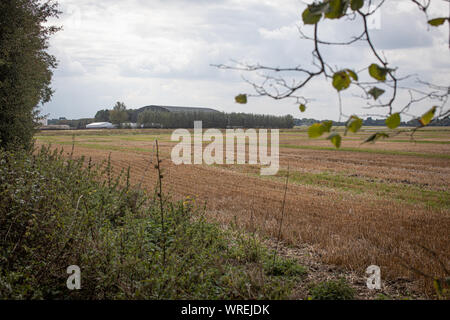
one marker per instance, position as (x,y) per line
(146,52)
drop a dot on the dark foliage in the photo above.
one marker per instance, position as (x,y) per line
(25,67)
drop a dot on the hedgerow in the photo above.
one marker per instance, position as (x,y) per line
(57,211)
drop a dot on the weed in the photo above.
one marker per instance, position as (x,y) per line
(284,267)
(332,290)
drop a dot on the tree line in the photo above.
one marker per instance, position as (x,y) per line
(26,68)
(213,120)
(375,122)
(150,119)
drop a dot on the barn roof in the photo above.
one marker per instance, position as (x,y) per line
(178,109)
(100,125)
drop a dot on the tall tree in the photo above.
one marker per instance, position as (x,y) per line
(25,67)
(102,116)
(119,114)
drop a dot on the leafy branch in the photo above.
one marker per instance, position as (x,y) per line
(287,82)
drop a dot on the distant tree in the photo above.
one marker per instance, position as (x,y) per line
(119,114)
(132,115)
(25,67)
(102,116)
(213,120)
(379,83)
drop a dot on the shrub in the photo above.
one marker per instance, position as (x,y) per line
(332,290)
(56,212)
(284,267)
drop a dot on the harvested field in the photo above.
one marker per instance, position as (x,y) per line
(386,204)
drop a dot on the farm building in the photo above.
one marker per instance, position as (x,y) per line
(55,127)
(43,122)
(100,125)
(176,109)
(130,125)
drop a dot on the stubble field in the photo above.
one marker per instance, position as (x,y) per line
(386,204)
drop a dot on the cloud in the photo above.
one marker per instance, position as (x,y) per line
(67,67)
(408,32)
(160,52)
(283,33)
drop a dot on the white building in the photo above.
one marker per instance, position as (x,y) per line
(43,122)
(100,125)
(130,125)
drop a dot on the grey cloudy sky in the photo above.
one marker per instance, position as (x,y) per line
(146,52)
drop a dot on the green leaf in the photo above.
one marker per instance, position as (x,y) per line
(374,137)
(354,124)
(376,92)
(357,4)
(393,121)
(319,8)
(428,116)
(315,130)
(336,9)
(437,286)
(437,22)
(341,80)
(352,74)
(327,125)
(310,18)
(336,139)
(302,108)
(242,99)
(377,72)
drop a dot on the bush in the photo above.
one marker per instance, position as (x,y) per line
(56,212)
(25,68)
(284,267)
(332,290)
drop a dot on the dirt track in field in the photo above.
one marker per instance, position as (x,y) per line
(346,228)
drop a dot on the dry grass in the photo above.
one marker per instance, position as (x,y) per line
(368,209)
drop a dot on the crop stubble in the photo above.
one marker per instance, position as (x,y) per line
(349,229)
